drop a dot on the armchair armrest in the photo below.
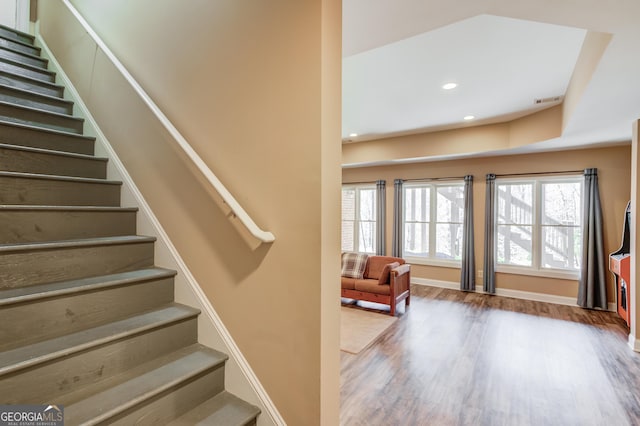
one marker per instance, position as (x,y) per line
(400,280)
(401,270)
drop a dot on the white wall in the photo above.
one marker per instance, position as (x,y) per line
(15,14)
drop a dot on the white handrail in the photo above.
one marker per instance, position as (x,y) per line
(236,208)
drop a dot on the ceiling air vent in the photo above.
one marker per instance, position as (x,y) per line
(547,100)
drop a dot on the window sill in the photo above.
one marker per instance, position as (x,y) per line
(563,275)
(433,262)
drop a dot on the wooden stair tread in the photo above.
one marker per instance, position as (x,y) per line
(13,40)
(23,175)
(42,111)
(42,291)
(19,56)
(222,410)
(12,207)
(85,242)
(33,80)
(27,356)
(28,67)
(52,152)
(46,130)
(18,32)
(28,55)
(141,383)
(36,94)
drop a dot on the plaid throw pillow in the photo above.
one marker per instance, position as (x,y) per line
(353,265)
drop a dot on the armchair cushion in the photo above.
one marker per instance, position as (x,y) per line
(384,275)
(377,263)
(372,286)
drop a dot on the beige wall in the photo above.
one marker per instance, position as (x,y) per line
(255,88)
(614,176)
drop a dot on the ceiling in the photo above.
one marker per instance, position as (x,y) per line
(503,54)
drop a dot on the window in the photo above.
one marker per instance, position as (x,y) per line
(359,218)
(539,224)
(433,220)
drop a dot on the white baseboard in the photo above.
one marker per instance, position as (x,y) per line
(239,376)
(505,292)
(634,343)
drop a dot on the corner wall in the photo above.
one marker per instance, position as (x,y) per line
(614,177)
(247,86)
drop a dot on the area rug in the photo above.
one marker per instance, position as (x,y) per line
(359,329)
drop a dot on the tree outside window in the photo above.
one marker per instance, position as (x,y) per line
(539,223)
(359,219)
(433,220)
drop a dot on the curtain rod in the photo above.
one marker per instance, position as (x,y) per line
(373,182)
(435,178)
(541,173)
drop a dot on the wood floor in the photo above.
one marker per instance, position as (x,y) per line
(458,358)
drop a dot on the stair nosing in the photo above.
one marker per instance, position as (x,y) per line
(36,94)
(25,54)
(46,130)
(43,111)
(142,395)
(81,285)
(53,152)
(40,207)
(34,80)
(77,243)
(109,336)
(41,176)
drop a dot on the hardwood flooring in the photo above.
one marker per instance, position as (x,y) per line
(457,358)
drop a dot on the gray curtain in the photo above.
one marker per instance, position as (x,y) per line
(467,273)
(592,292)
(489,273)
(381,217)
(398,216)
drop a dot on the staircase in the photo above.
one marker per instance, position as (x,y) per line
(86,319)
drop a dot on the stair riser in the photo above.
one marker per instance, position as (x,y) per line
(24,59)
(29,84)
(25,191)
(37,139)
(41,119)
(15,68)
(36,162)
(173,403)
(49,318)
(19,269)
(46,382)
(41,226)
(15,36)
(11,44)
(34,101)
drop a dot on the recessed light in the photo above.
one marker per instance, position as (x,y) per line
(353,135)
(469,117)
(449,86)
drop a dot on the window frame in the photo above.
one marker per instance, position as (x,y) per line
(431,260)
(357,221)
(537,246)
